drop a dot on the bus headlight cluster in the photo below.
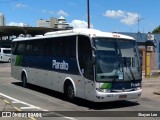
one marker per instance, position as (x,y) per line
(138,88)
(103,90)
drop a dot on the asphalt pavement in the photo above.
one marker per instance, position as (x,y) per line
(151,85)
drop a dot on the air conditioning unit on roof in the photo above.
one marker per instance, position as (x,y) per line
(149,48)
(150,37)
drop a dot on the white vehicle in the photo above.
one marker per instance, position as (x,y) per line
(85,63)
(5,54)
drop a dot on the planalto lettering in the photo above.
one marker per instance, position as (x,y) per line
(60,65)
(135,84)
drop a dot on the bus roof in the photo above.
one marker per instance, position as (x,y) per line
(78,31)
(90,32)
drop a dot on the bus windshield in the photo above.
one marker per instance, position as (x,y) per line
(117,59)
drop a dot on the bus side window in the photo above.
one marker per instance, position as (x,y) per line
(85,57)
(28,48)
(69,47)
(14,47)
(36,48)
(63,47)
(20,48)
(54,47)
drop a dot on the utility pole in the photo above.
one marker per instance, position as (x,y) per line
(138,20)
(88,9)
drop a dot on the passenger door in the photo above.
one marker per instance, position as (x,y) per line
(86,66)
(89,76)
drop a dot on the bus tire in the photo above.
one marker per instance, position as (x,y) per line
(69,91)
(24,80)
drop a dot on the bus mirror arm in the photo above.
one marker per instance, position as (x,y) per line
(93,59)
(93,48)
(93,55)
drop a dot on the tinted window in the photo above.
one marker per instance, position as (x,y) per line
(14,47)
(28,48)
(60,47)
(7,51)
(63,46)
(20,48)
(39,47)
(85,56)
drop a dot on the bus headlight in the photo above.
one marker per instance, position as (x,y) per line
(138,88)
(103,90)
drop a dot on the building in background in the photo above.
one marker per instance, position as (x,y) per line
(56,24)
(43,23)
(52,22)
(2,19)
(61,23)
(47,23)
(141,39)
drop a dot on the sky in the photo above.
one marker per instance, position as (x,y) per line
(105,15)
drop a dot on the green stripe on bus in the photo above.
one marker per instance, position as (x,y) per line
(106,86)
(19,60)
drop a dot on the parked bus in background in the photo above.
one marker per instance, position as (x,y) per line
(85,63)
(5,54)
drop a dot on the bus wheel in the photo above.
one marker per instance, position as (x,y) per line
(24,80)
(70,92)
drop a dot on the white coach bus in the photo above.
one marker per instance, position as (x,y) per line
(85,63)
(5,54)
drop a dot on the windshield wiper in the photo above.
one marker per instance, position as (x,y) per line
(120,61)
(128,66)
(139,62)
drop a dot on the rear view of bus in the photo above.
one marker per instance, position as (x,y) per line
(5,54)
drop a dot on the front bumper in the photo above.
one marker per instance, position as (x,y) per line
(106,97)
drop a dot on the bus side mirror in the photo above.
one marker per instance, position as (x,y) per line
(94,59)
(93,55)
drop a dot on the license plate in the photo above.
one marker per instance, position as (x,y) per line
(122,96)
